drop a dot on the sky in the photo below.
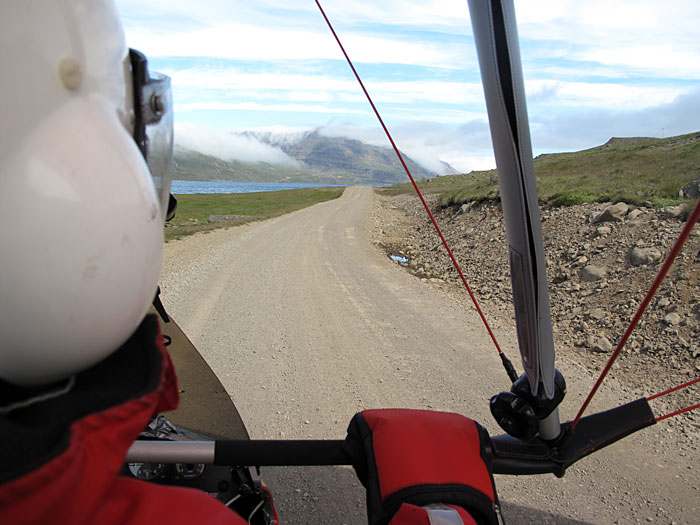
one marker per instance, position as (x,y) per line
(593,69)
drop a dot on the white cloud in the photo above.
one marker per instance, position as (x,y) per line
(227,145)
(656,59)
(439,15)
(279,135)
(600,95)
(444,15)
(234,78)
(585,129)
(255,42)
(657,39)
(271,108)
(322,88)
(592,68)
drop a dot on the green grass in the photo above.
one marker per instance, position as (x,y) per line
(194,211)
(641,171)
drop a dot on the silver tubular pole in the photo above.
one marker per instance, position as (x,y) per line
(171,452)
(496,39)
(496,36)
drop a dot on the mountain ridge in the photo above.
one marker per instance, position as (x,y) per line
(317,159)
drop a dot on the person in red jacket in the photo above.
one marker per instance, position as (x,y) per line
(85,166)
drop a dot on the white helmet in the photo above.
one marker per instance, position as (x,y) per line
(81,220)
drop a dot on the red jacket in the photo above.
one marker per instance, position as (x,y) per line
(60,464)
(60,458)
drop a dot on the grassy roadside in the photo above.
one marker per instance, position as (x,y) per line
(641,171)
(205,212)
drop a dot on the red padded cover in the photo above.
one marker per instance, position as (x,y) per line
(457,460)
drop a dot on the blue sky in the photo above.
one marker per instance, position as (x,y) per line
(593,69)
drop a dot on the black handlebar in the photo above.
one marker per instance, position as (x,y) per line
(508,455)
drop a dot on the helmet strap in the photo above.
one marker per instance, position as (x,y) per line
(62,388)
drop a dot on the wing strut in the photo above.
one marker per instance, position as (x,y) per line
(495,33)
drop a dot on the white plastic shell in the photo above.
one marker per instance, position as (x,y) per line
(81,234)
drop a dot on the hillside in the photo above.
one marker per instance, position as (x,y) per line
(352,158)
(192,165)
(638,170)
(319,159)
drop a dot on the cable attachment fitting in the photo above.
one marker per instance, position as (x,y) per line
(519,412)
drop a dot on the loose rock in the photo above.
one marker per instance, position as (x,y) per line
(593,273)
(640,256)
(634,214)
(674,212)
(601,345)
(613,213)
(691,190)
(672,319)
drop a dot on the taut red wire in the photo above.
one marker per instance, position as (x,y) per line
(684,385)
(675,250)
(415,186)
(681,411)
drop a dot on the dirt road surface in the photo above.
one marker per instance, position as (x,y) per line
(306,323)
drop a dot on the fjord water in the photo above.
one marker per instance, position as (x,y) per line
(180,187)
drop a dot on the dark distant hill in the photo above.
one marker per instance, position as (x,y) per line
(319,159)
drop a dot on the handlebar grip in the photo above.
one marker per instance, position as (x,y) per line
(280,452)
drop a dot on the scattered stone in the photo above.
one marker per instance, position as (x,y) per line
(672,319)
(560,277)
(466,207)
(641,256)
(634,214)
(663,302)
(603,230)
(613,213)
(674,212)
(691,190)
(593,273)
(601,345)
(598,314)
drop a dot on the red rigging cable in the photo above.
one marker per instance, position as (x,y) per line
(675,250)
(415,186)
(682,410)
(677,412)
(684,385)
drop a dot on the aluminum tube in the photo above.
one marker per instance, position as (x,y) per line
(171,452)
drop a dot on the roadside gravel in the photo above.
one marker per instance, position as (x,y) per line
(599,268)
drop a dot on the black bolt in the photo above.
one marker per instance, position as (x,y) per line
(223,486)
(156,104)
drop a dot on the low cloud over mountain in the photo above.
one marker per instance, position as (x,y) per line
(302,156)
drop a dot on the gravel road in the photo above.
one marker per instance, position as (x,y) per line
(306,322)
